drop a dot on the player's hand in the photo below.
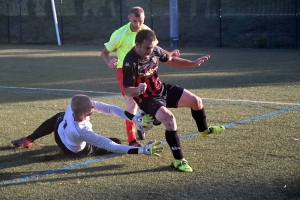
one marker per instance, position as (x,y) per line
(201,60)
(113,62)
(144,120)
(142,88)
(175,53)
(152,148)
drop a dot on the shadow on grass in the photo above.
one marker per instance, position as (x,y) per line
(92,170)
(30,156)
(26,156)
(237,189)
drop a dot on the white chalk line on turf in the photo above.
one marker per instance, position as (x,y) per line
(60,90)
(252,101)
(163,142)
(117,93)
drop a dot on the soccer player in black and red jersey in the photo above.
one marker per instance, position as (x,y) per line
(141,81)
(122,40)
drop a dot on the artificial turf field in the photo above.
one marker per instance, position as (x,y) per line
(255,93)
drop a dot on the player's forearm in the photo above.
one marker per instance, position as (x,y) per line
(132,91)
(181,62)
(107,144)
(105,56)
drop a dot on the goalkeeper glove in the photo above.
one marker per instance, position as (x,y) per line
(143,120)
(152,148)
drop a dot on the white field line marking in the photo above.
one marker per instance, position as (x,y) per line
(250,101)
(99,92)
(62,90)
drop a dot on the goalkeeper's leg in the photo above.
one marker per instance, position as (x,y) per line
(46,128)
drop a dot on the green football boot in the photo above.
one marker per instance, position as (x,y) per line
(212,130)
(182,165)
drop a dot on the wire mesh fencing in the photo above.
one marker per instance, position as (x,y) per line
(212,23)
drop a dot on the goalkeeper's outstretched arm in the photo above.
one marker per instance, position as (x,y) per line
(109,109)
(152,148)
(119,112)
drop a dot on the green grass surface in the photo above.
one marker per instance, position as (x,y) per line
(256,159)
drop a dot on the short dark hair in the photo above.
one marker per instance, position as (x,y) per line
(137,11)
(145,35)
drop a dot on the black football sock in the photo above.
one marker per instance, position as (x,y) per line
(200,118)
(45,128)
(174,143)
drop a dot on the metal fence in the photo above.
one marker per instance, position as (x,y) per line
(214,23)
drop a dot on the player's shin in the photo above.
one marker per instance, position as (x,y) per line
(173,141)
(200,118)
(180,162)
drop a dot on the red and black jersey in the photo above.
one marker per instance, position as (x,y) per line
(137,70)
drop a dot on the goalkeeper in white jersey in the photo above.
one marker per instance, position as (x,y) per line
(74,134)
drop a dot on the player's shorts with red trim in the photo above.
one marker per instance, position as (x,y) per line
(169,98)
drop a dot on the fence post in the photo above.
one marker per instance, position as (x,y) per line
(55,22)
(151,14)
(8,36)
(61,22)
(220,22)
(121,13)
(20,13)
(173,6)
(296,24)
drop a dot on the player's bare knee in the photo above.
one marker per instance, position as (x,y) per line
(197,103)
(170,122)
(171,125)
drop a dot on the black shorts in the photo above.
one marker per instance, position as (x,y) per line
(169,98)
(59,119)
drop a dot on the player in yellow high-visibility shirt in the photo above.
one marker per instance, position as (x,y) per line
(122,40)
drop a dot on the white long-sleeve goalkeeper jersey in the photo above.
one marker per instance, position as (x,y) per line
(75,135)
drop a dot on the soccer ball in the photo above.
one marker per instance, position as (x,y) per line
(138,124)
